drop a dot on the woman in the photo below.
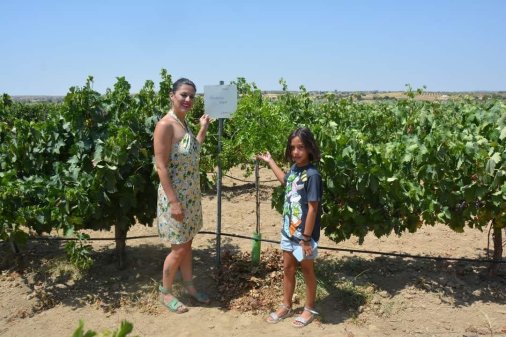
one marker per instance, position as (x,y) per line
(179,211)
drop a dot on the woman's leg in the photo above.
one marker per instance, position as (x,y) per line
(187,272)
(171,265)
(173,262)
(186,265)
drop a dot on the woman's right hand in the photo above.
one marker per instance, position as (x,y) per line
(176,209)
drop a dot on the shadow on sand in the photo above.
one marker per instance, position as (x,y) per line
(349,283)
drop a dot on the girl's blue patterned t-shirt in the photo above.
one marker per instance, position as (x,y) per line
(303,184)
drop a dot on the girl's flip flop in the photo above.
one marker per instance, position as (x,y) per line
(275,318)
(301,322)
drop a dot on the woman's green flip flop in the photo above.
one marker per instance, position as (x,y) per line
(174,304)
(199,296)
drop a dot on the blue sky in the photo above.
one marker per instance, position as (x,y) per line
(447,45)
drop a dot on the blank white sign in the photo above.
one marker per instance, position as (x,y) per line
(220,101)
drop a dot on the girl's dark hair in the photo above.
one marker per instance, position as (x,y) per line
(182,81)
(307,138)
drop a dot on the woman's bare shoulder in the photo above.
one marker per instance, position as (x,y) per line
(165,125)
(165,121)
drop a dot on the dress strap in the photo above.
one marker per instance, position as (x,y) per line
(184,125)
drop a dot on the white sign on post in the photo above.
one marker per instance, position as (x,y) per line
(220,101)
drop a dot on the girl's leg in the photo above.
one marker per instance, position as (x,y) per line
(307,267)
(289,269)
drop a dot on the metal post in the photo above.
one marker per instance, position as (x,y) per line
(257,187)
(218,194)
(255,251)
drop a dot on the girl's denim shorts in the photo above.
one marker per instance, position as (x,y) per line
(290,245)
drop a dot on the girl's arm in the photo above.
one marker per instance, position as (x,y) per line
(308,228)
(266,157)
(312,210)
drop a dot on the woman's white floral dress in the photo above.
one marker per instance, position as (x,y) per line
(185,179)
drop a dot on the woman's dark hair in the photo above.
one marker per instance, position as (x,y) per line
(182,81)
(307,138)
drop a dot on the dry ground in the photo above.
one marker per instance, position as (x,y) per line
(359,294)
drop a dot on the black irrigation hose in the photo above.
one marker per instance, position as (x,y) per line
(247,181)
(349,250)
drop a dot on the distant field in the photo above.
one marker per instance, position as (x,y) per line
(380,95)
(38,99)
(361,95)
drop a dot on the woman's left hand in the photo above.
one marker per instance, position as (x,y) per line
(205,120)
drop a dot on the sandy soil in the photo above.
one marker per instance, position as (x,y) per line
(401,296)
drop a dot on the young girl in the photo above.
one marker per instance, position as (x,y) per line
(301,221)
